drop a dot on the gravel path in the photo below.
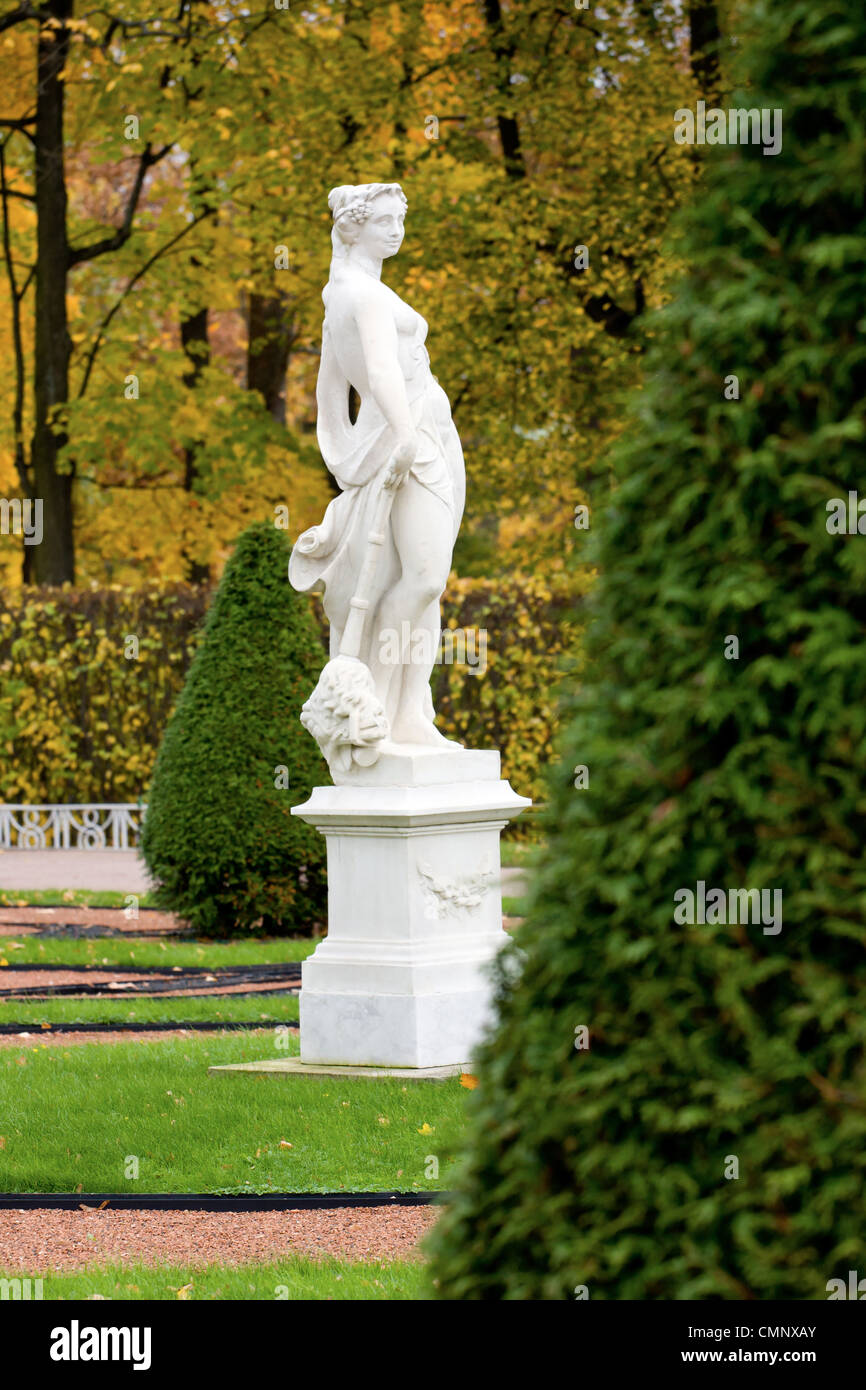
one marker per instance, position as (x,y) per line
(120,870)
(28,918)
(145,983)
(68,975)
(39,1242)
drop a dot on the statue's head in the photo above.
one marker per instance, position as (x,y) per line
(369,216)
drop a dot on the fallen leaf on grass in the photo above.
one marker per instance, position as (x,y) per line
(468,1080)
(426,1129)
(284,1144)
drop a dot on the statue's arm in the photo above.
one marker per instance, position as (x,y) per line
(378,335)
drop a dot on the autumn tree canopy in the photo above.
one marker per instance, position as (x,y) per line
(164,171)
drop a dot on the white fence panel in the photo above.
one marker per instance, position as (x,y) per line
(93,825)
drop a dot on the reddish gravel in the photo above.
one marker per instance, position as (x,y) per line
(27,979)
(46,1241)
(175,983)
(284,985)
(32,918)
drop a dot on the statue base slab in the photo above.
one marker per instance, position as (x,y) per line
(414,910)
(293,1066)
(417,765)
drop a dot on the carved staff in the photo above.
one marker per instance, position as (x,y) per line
(344,714)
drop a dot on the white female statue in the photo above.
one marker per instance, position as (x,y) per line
(400,468)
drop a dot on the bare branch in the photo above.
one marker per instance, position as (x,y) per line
(16,193)
(146,161)
(153,28)
(18,15)
(149,485)
(115,308)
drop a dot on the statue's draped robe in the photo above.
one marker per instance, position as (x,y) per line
(329,556)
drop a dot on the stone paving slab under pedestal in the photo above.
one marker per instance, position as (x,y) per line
(293,1066)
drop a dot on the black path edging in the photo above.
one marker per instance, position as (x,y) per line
(35,1030)
(156,979)
(167,1201)
(290,969)
(65,931)
(46,926)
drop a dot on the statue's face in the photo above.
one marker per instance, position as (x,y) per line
(382,233)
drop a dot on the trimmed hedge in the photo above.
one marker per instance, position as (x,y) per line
(81,722)
(81,715)
(518,636)
(219,837)
(710,1141)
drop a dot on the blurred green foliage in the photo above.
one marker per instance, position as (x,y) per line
(610,1167)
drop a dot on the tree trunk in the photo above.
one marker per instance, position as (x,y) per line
(54,559)
(509,130)
(196,345)
(270,343)
(704,40)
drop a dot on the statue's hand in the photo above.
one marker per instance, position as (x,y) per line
(401,460)
(405,452)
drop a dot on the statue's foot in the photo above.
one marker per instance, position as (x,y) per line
(418,730)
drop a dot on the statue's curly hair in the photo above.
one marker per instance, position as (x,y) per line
(351,202)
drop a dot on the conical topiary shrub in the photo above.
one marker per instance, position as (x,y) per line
(218,836)
(705,1137)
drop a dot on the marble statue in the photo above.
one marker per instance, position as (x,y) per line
(382,553)
(412,820)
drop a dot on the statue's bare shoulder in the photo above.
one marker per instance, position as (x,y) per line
(356,297)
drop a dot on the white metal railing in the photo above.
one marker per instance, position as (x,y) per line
(86,825)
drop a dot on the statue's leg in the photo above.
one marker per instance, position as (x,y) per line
(412,717)
(403,646)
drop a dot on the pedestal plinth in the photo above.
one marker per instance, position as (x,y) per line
(414,909)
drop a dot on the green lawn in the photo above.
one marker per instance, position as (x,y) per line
(514,907)
(69,897)
(72,1117)
(515,854)
(120,951)
(519,854)
(190,1008)
(164,954)
(292,1278)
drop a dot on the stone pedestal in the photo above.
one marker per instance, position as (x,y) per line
(414,909)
